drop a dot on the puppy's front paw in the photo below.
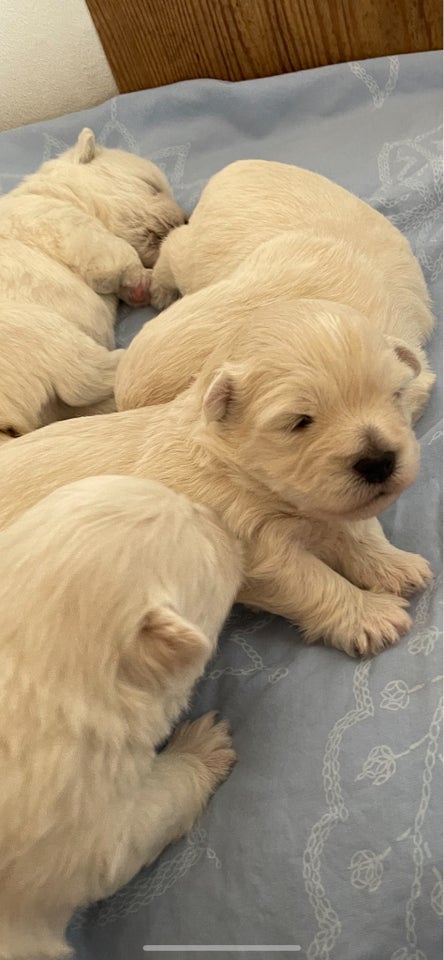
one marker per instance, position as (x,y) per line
(135,287)
(209,742)
(382,622)
(162,297)
(402,573)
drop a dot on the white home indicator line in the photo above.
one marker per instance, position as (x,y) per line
(221,948)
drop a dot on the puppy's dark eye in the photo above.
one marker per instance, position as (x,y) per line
(10,432)
(398,394)
(301,424)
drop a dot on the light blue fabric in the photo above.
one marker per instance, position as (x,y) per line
(327,834)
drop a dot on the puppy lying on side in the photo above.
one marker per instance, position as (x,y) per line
(73,237)
(171,349)
(251,201)
(298,440)
(112,593)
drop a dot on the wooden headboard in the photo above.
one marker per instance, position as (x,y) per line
(152,42)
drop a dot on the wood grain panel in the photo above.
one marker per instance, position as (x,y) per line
(152,42)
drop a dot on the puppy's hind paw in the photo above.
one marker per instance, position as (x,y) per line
(209,741)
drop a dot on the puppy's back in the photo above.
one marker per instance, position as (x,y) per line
(251,201)
(78,573)
(35,465)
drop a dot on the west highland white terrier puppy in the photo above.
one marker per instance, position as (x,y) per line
(74,236)
(299,439)
(112,594)
(264,232)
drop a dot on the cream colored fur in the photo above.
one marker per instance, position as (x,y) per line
(112,593)
(335,248)
(170,350)
(49,370)
(251,201)
(236,441)
(74,236)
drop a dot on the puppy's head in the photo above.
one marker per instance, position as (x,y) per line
(118,577)
(314,409)
(130,195)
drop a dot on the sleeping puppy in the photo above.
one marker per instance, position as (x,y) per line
(171,349)
(251,201)
(112,593)
(298,437)
(74,237)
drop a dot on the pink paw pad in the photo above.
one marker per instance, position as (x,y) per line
(138,295)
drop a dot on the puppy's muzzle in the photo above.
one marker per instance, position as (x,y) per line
(378,468)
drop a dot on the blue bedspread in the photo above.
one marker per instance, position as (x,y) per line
(327,834)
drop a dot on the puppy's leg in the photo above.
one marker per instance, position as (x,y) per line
(83,372)
(184,775)
(164,285)
(361,552)
(288,580)
(107,264)
(111,266)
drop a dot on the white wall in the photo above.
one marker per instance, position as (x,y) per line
(51,61)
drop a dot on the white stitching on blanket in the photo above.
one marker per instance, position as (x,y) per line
(115,125)
(378,96)
(433,736)
(143,890)
(256,663)
(415,165)
(424,640)
(327,918)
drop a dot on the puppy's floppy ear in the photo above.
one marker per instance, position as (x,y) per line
(85,149)
(406,354)
(164,645)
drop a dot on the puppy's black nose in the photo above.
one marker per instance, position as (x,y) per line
(378,468)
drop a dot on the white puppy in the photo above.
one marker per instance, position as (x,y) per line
(112,593)
(170,350)
(264,232)
(251,201)
(74,236)
(298,440)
